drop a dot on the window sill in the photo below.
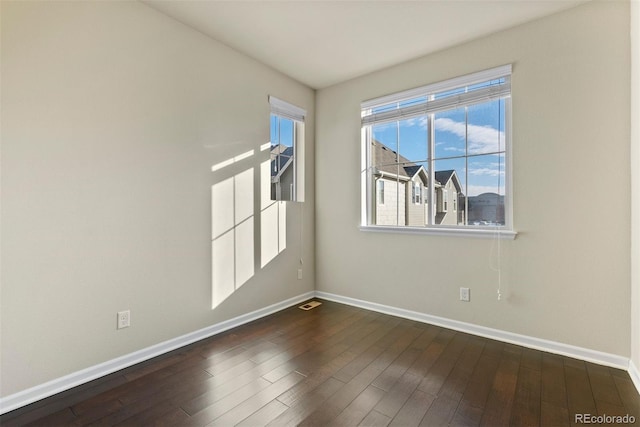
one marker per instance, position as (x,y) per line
(443,231)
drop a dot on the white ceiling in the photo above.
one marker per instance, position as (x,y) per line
(321,43)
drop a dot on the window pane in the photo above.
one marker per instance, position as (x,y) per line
(413,139)
(485,129)
(486,190)
(390,210)
(282,158)
(450,133)
(449,190)
(384,144)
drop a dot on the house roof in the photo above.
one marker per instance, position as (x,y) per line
(443,177)
(281,158)
(387,160)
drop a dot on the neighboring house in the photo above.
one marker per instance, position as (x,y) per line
(400,191)
(282,172)
(448,196)
(486,209)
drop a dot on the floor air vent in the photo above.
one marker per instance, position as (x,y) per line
(310,305)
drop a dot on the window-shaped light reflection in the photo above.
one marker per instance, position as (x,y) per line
(273,235)
(232,228)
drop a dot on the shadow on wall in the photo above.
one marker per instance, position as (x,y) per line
(239,214)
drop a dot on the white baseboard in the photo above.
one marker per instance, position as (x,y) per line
(634,373)
(25,397)
(586,354)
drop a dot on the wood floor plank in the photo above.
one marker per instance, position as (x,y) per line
(264,415)
(580,398)
(257,401)
(444,408)
(230,401)
(526,409)
(340,365)
(553,415)
(433,382)
(497,410)
(375,419)
(553,386)
(358,409)
(398,367)
(603,386)
(628,394)
(320,373)
(402,390)
(338,402)
(413,410)
(307,403)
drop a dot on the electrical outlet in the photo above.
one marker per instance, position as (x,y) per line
(299,274)
(124,319)
(465,294)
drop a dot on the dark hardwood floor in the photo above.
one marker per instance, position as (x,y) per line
(337,365)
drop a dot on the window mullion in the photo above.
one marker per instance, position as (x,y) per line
(431,136)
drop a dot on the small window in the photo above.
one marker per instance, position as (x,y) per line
(380,192)
(287,148)
(417,193)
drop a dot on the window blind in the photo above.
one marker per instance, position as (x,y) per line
(285,109)
(427,106)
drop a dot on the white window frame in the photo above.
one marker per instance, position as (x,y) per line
(465,99)
(283,109)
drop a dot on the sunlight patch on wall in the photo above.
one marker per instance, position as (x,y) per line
(235,227)
(232,234)
(273,219)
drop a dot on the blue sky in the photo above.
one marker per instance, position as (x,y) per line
(483,133)
(286,131)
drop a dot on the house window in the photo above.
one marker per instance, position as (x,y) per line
(380,192)
(287,148)
(417,193)
(454,137)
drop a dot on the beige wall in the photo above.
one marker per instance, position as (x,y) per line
(566,276)
(112,116)
(635,183)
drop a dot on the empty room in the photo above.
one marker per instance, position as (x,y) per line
(320,212)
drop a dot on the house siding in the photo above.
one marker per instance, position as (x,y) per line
(389,213)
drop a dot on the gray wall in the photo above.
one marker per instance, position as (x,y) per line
(565,277)
(112,117)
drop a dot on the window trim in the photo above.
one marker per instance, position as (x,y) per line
(507,231)
(285,110)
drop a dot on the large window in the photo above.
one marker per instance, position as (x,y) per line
(287,136)
(451,138)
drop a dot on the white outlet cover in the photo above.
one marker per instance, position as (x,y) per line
(124,319)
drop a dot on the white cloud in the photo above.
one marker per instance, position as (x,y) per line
(457,150)
(486,172)
(480,138)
